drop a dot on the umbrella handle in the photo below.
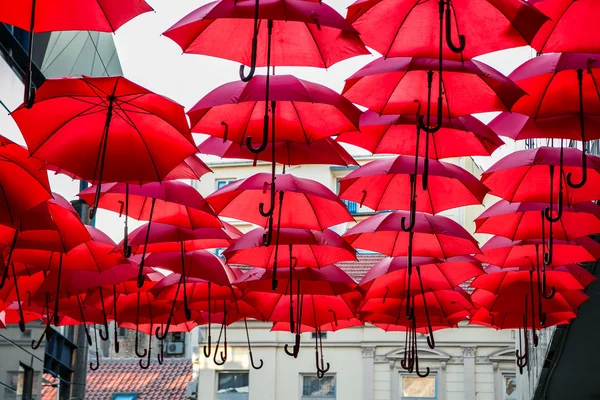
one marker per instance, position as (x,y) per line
(544,286)
(461,38)
(559,210)
(29,91)
(226,131)
(87,333)
(103,336)
(438,124)
(217,349)
(419,373)
(243,77)
(95,367)
(140,279)
(265,138)
(260,365)
(296,347)
(35,345)
(160,356)
(141,362)
(137,341)
(413,206)
(208,349)
(582,127)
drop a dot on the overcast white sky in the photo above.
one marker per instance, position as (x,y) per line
(156,62)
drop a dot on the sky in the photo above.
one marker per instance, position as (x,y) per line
(157,63)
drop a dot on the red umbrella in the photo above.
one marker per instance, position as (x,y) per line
(506,253)
(562,85)
(323,151)
(434,236)
(329,280)
(38,16)
(303,203)
(405,28)
(388,277)
(53,225)
(302,33)
(395,134)
(518,221)
(296,247)
(382,185)
(399,85)
(118,129)
(329,327)
(23,182)
(169,202)
(199,264)
(524,175)
(570,28)
(191,168)
(514,320)
(305,111)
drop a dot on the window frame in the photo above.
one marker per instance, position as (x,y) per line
(313,375)
(506,375)
(436,387)
(231,371)
(226,182)
(116,395)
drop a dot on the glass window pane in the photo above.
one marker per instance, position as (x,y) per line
(413,386)
(232,382)
(510,387)
(315,387)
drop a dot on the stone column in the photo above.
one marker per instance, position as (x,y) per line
(394,382)
(368,372)
(469,371)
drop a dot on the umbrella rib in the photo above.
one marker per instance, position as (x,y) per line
(105,16)
(300,122)
(554,27)
(62,125)
(316,44)
(248,123)
(389,182)
(143,110)
(537,110)
(387,53)
(519,184)
(159,178)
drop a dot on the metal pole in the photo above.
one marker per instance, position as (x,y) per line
(80,357)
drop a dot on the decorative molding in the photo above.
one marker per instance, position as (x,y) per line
(368,352)
(495,366)
(381,359)
(443,365)
(469,351)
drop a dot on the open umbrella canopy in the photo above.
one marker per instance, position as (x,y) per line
(568,301)
(199,264)
(163,237)
(519,282)
(514,320)
(306,203)
(329,280)
(176,203)
(400,86)
(304,33)
(329,327)
(518,221)
(384,185)
(525,176)
(23,180)
(130,124)
(551,82)
(387,278)
(405,28)
(434,236)
(305,111)
(570,28)
(322,151)
(72,15)
(306,247)
(504,252)
(395,134)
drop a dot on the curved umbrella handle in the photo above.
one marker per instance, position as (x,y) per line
(217,348)
(141,362)
(419,373)
(413,205)
(438,124)
(168,325)
(243,77)
(582,127)
(103,336)
(271,209)
(559,206)
(35,345)
(208,348)
(296,348)
(137,341)
(265,137)
(544,286)
(92,366)
(461,38)
(255,366)
(583,173)
(160,356)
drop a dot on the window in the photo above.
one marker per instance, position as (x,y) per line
(21,384)
(219,252)
(510,387)
(350,205)
(122,332)
(415,388)
(323,335)
(177,337)
(232,385)
(223,182)
(125,396)
(318,389)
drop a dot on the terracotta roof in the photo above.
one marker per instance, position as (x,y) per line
(159,382)
(358,269)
